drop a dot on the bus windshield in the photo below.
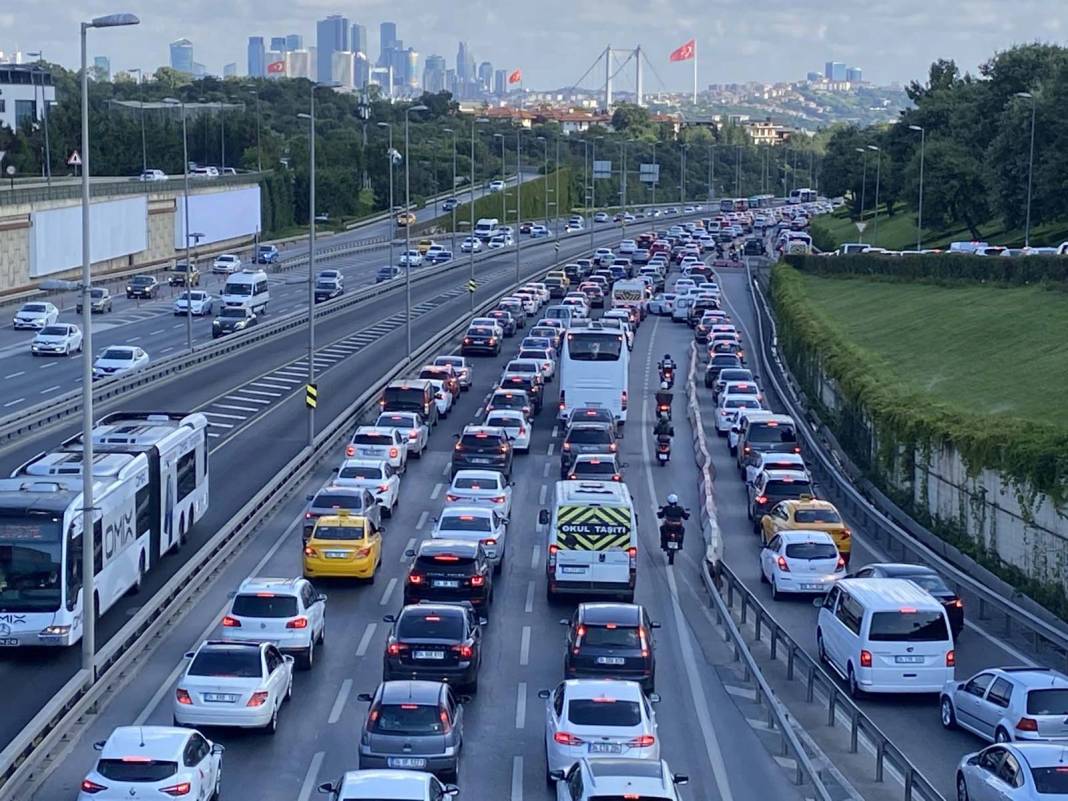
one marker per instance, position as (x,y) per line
(237,289)
(31,561)
(591,347)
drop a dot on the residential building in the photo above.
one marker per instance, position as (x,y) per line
(434,74)
(361,71)
(298,64)
(21,86)
(834,71)
(766,132)
(102,65)
(343,68)
(182,56)
(485,76)
(331,36)
(257,57)
(814,77)
(387,40)
(411,69)
(230,70)
(358,38)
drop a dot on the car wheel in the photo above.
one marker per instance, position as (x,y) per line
(854,689)
(307,659)
(948,716)
(1001,736)
(821,652)
(272,724)
(775,594)
(962,788)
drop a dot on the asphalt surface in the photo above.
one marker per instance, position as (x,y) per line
(254,402)
(702,732)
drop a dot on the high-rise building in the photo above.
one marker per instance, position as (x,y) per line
(199,70)
(271,61)
(387,37)
(485,75)
(434,74)
(102,65)
(814,77)
(358,38)
(182,56)
(855,75)
(834,71)
(463,58)
(411,68)
(331,36)
(257,64)
(452,83)
(230,70)
(343,68)
(294,41)
(278,44)
(397,59)
(298,64)
(500,82)
(361,71)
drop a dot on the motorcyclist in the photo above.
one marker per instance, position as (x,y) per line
(663,397)
(671,512)
(663,429)
(665,365)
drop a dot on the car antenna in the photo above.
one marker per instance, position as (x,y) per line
(141,734)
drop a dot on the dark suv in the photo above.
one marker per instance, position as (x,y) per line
(449,571)
(530,383)
(483,448)
(142,286)
(611,641)
(586,438)
(434,642)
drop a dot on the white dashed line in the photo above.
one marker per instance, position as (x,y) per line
(50,389)
(542,493)
(551,448)
(46,366)
(524,647)
(15,375)
(437,491)
(311,777)
(365,640)
(419,524)
(528,607)
(266,394)
(339,702)
(517,779)
(389,591)
(236,408)
(521,705)
(12,403)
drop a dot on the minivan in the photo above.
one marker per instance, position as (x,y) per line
(247,288)
(777,433)
(885,635)
(563,313)
(411,395)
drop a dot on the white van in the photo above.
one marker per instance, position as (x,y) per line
(247,288)
(885,635)
(593,540)
(486,227)
(560,312)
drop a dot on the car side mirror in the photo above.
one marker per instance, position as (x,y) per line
(231,594)
(544,694)
(289,658)
(366,697)
(464,699)
(99,745)
(543,517)
(974,760)
(326,788)
(320,598)
(655,624)
(309,497)
(816,602)
(680,778)
(217,748)
(654,698)
(451,790)
(410,553)
(556,775)
(389,618)
(190,654)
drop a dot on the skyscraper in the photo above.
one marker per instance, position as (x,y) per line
(257,63)
(343,68)
(463,58)
(387,35)
(102,65)
(331,36)
(361,71)
(230,70)
(485,75)
(411,68)
(278,44)
(500,82)
(182,56)
(834,71)
(294,41)
(434,74)
(358,38)
(855,75)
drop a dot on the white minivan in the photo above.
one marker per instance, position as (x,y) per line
(885,635)
(247,288)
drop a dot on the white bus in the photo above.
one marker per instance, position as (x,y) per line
(594,368)
(798,196)
(150,487)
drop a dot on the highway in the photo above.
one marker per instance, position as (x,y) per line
(703,733)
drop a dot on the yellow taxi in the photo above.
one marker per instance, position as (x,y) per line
(343,546)
(424,245)
(808,514)
(405,218)
(560,274)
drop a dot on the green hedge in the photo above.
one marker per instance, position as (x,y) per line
(940,267)
(1034,456)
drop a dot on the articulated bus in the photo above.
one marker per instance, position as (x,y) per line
(798,196)
(594,367)
(150,487)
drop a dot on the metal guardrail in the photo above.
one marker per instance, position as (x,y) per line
(51,726)
(916,785)
(877,523)
(709,518)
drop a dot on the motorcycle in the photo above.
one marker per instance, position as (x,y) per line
(663,410)
(667,374)
(671,534)
(663,450)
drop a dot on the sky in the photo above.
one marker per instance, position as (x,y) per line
(555,41)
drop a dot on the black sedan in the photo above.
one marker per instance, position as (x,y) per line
(434,642)
(328,289)
(611,640)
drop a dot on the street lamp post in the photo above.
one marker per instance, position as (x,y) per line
(556,192)
(504,190)
(141,102)
(682,173)
(311,258)
(1030,165)
(171,101)
(518,204)
(392,211)
(39,55)
(88,545)
(878,172)
(863,189)
(545,176)
(656,179)
(452,192)
(738,173)
(919,211)
(259,147)
(408,229)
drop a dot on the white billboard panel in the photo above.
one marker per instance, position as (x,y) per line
(219,215)
(602,169)
(117,228)
(649,173)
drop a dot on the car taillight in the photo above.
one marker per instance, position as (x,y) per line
(465,651)
(567,446)
(613,448)
(632,554)
(458,447)
(393,453)
(493,340)
(177,790)
(797,450)
(623,399)
(865,659)
(1026,724)
(383,487)
(415,578)
(951,658)
(642,741)
(183,697)
(395,648)
(504,449)
(841,563)
(258,698)
(958,603)
(563,738)
(297,623)
(551,561)
(350,450)
(478,581)
(761,499)
(784,566)
(489,541)
(746,449)
(92,787)
(413,434)
(846,533)
(231,622)
(644,643)
(467,340)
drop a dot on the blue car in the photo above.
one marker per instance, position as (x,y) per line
(267,254)
(438,257)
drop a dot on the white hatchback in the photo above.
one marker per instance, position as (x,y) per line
(374,475)
(289,612)
(801,562)
(515,424)
(461,365)
(487,488)
(397,785)
(379,442)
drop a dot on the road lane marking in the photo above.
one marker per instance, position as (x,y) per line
(521,705)
(445,469)
(545,470)
(409,547)
(517,779)
(226,416)
(524,647)
(528,607)
(157,331)
(535,557)
(12,403)
(15,375)
(556,431)
(551,448)
(46,366)
(339,702)
(311,777)
(236,408)
(167,349)
(248,400)
(437,491)
(134,339)
(223,425)
(419,524)
(365,640)
(542,493)
(389,591)
(261,392)
(268,385)
(50,389)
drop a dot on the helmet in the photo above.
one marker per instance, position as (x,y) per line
(673,499)
(667,357)
(664,385)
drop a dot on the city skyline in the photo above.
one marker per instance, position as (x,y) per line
(733,45)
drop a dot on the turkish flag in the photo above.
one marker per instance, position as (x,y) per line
(276,68)
(684,53)
(516,76)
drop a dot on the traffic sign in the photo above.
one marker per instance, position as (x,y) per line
(472,286)
(861,226)
(74,159)
(311,395)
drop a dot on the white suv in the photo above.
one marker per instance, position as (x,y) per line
(617,778)
(289,612)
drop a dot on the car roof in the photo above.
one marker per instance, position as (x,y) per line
(411,416)
(589,457)
(347,462)
(785,475)
(815,503)
(403,785)
(889,594)
(600,613)
(1039,754)
(588,425)
(465,511)
(280,586)
(157,742)
(374,430)
(426,692)
(784,419)
(1034,677)
(495,431)
(508,413)
(643,775)
(811,535)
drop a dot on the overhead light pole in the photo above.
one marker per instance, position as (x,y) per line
(593,182)
(88,544)
(171,101)
(408,228)
(518,190)
(504,193)
(919,210)
(259,147)
(452,192)
(471,208)
(738,172)
(391,155)
(545,176)
(141,103)
(1030,165)
(44,116)
(556,191)
(311,259)
(878,172)
(863,190)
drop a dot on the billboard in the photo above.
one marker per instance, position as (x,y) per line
(219,216)
(649,173)
(117,228)
(602,169)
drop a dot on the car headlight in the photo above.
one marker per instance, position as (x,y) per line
(216,324)
(239,325)
(129,288)
(55,631)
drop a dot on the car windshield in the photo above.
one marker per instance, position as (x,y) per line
(431,626)
(33,307)
(1051,781)
(612,636)
(502,421)
(360,471)
(1050,701)
(96,293)
(328,284)
(373,439)
(407,720)
(327,500)
(30,563)
(238,289)
(908,626)
(264,604)
(446,563)
(734,375)
(142,279)
(771,431)
(117,354)
(594,467)
(136,769)
(396,421)
(231,313)
(54,331)
(488,483)
(929,581)
(816,516)
(603,712)
(789,487)
(352,531)
(735,402)
(237,662)
(588,436)
(811,550)
(461,522)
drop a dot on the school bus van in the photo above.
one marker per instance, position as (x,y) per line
(592,540)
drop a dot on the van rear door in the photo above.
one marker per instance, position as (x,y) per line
(909,649)
(593,543)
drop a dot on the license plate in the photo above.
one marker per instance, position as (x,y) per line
(673,545)
(479,460)
(606,748)
(909,660)
(8,642)
(336,554)
(572,569)
(429,654)
(811,587)
(406,762)
(611,660)
(219,698)
(450,584)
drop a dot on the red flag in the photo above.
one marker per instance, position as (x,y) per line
(276,68)
(684,53)
(516,76)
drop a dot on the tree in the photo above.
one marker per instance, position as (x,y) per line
(955,191)
(631,119)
